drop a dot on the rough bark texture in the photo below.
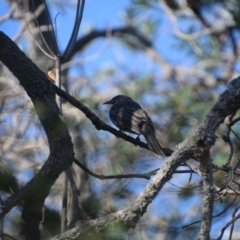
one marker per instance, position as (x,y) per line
(38,88)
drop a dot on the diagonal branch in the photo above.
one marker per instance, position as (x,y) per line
(99,124)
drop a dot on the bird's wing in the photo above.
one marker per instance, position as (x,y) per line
(150,123)
(129,119)
(149,135)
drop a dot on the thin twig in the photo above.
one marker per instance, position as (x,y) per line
(102,177)
(64,203)
(233,215)
(77,213)
(53,38)
(8,15)
(77,23)
(227,225)
(50,30)
(227,139)
(215,216)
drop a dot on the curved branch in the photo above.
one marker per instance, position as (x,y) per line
(37,86)
(118,32)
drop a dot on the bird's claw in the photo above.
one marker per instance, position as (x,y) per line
(137,138)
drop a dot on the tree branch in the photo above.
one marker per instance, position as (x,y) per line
(37,86)
(99,124)
(207,178)
(197,144)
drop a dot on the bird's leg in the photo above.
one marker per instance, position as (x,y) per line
(138,138)
(120,130)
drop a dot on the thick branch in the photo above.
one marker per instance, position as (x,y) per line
(42,95)
(207,179)
(130,216)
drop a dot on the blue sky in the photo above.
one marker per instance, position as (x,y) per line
(94,14)
(109,14)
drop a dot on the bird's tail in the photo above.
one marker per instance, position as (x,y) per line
(152,142)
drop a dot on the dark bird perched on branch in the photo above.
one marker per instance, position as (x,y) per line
(128,116)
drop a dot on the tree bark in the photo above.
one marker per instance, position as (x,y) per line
(41,92)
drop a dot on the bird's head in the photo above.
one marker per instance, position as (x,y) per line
(118,98)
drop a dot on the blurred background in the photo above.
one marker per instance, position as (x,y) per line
(174,57)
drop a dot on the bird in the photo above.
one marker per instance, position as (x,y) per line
(128,116)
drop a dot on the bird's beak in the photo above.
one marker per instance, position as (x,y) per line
(108,102)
